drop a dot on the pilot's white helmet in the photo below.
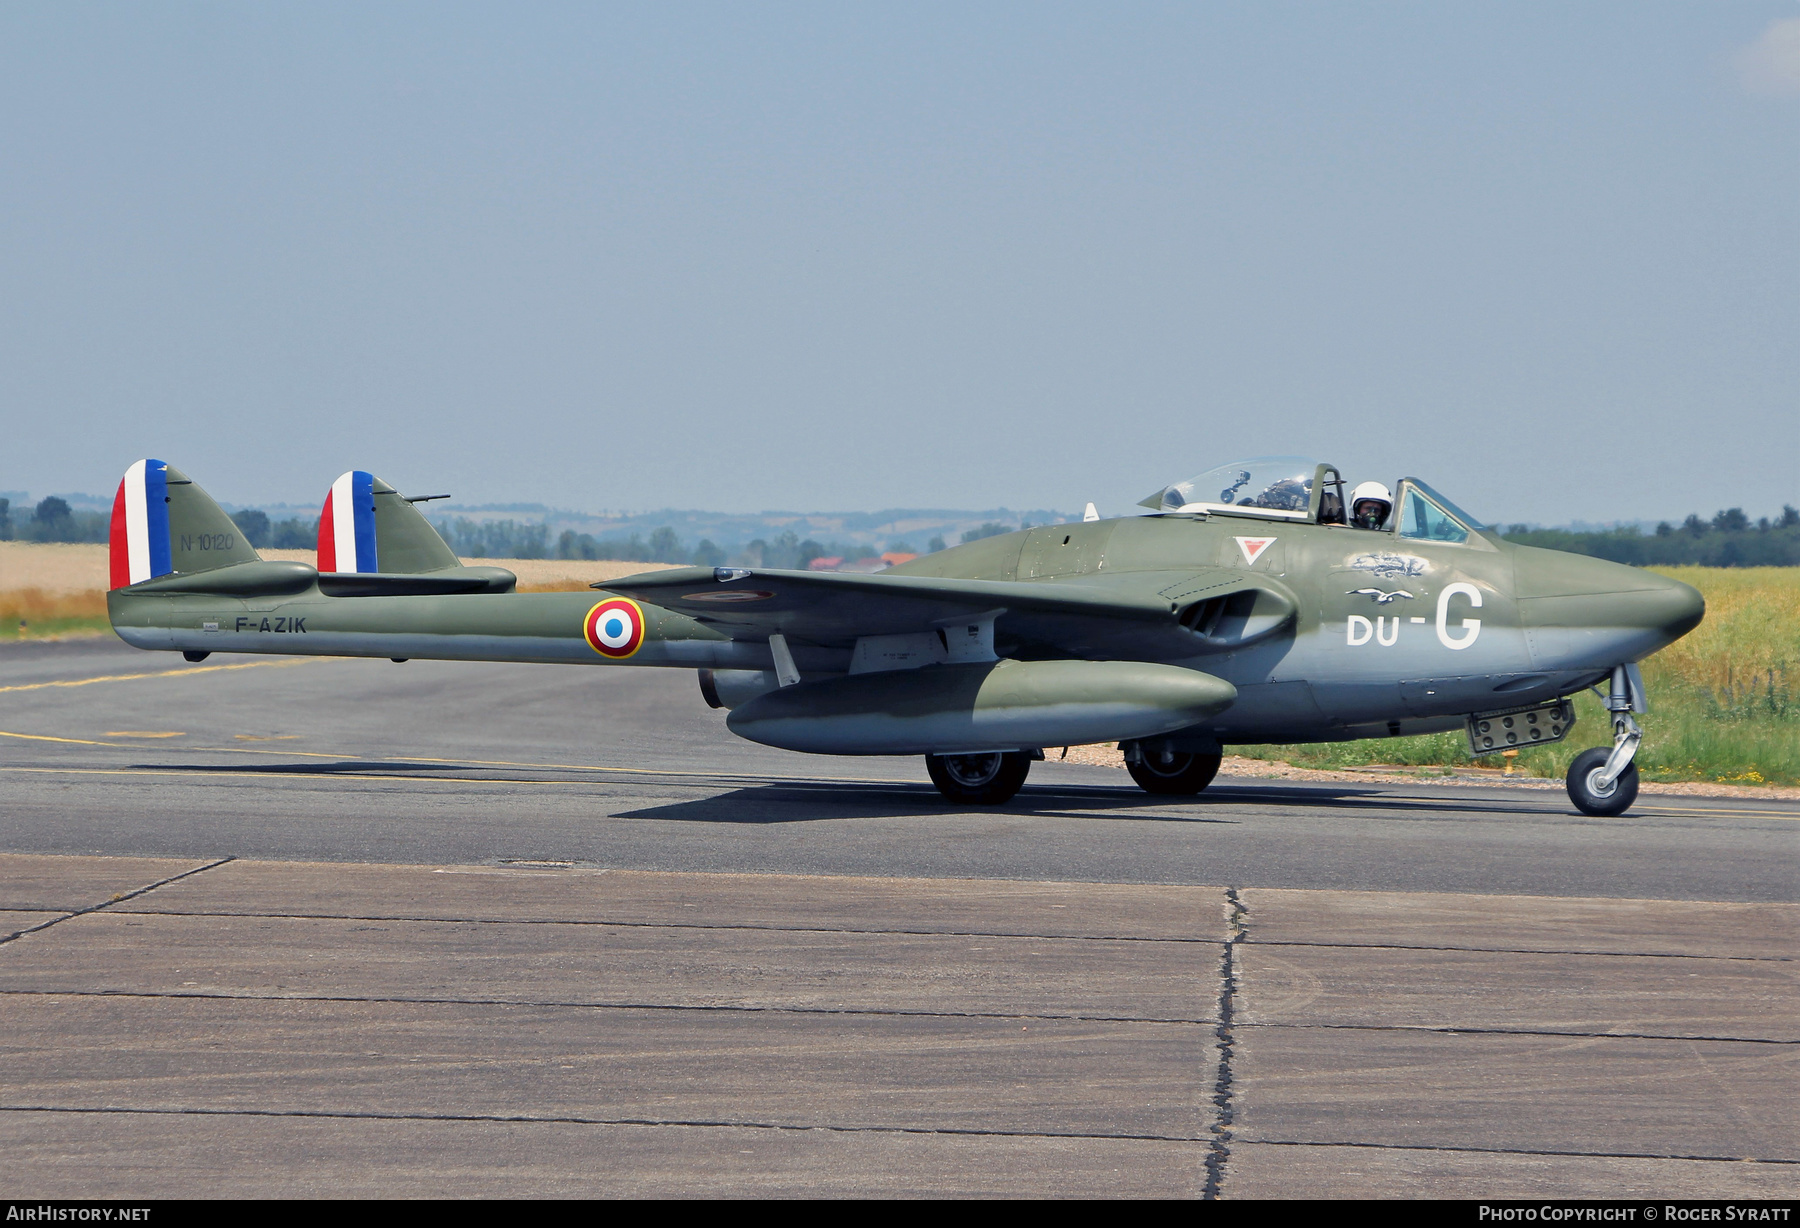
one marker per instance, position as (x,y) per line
(1370,490)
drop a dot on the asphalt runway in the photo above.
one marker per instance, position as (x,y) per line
(291,927)
(431,762)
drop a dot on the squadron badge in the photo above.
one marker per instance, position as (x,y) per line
(1384,565)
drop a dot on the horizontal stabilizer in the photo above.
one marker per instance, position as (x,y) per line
(276,578)
(262,578)
(439,583)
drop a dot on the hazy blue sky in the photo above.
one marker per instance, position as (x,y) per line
(854,256)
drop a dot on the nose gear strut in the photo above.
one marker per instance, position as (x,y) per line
(1605,782)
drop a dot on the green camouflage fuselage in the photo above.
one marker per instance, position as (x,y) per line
(1325,631)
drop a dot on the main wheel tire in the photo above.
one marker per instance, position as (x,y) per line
(1180,774)
(1585,792)
(979,780)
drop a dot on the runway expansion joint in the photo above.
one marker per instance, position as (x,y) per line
(119,897)
(1220,1149)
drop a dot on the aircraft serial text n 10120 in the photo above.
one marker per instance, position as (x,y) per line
(1242,608)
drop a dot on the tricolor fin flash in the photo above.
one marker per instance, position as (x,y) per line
(163,524)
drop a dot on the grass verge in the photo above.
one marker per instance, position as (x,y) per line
(33,614)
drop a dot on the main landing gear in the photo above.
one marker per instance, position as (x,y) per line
(1175,773)
(987,779)
(1604,781)
(991,778)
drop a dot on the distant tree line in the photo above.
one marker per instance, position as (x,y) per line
(290,534)
(990,529)
(662,546)
(787,550)
(1729,539)
(496,539)
(52,520)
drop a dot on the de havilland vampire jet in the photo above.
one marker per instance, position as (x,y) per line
(1243,608)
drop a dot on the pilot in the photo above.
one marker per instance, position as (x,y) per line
(1287,494)
(1370,504)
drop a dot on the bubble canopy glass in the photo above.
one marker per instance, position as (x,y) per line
(1278,487)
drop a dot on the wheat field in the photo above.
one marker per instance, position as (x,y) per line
(51,591)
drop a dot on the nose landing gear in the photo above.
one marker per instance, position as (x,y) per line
(1604,782)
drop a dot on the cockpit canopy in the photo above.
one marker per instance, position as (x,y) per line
(1300,488)
(1278,486)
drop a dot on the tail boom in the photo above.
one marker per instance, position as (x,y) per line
(387,585)
(526,627)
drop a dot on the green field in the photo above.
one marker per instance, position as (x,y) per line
(1721,700)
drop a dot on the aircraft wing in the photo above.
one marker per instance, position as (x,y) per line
(1089,615)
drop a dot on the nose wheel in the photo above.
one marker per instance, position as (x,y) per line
(987,779)
(1604,781)
(1592,792)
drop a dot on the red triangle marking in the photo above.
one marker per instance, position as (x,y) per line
(1253,547)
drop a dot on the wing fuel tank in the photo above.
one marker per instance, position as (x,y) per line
(996,705)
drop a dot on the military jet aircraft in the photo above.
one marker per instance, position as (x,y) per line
(1240,608)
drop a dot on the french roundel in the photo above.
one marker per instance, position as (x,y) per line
(615,628)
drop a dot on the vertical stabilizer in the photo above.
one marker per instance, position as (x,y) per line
(163,524)
(366,526)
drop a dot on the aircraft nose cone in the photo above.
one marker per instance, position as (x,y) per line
(1666,607)
(1671,608)
(1610,612)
